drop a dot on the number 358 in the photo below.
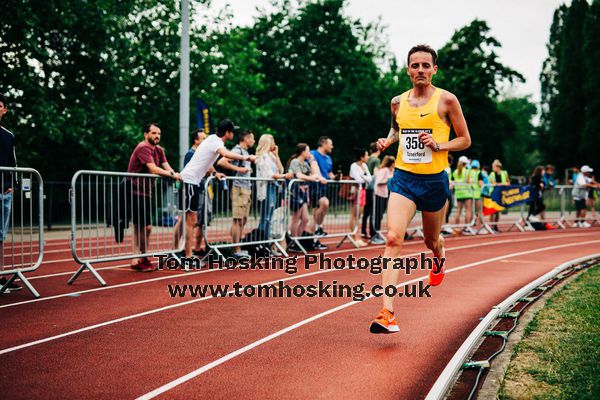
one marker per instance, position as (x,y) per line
(413,143)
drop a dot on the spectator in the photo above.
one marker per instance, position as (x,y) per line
(463,193)
(592,194)
(322,166)
(360,173)
(573,177)
(241,192)
(147,158)
(580,193)
(202,163)
(268,165)
(549,182)
(448,170)
(476,182)
(299,167)
(372,163)
(196,138)
(7,159)
(382,176)
(498,177)
(548,177)
(485,176)
(536,181)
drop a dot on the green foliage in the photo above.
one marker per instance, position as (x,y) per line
(84,78)
(589,147)
(521,148)
(321,77)
(472,72)
(570,84)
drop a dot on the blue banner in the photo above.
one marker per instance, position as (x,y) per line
(502,197)
(202,116)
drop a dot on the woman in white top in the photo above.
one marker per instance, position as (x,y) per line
(268,165)
(382,176)
(299,167)
(360,173)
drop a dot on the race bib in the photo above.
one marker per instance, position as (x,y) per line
(413,151)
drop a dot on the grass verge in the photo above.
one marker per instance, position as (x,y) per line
(559,356)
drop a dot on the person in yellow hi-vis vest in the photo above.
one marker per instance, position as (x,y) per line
(421,120)
(462,193)
(476,181)
(498,177)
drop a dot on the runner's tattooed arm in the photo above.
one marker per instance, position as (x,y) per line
(393,135)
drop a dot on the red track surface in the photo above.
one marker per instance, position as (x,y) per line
(299,347)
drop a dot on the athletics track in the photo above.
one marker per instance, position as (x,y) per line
(131,339)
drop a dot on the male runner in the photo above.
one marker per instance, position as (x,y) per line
(421,120)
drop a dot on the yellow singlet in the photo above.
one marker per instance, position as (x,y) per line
(413,156)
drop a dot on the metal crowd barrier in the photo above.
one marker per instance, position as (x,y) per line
(511,217)
(244,212)
(554,200)
(416,228)
(21,225)
(568,209)
(469,226)
(558,213)
(107,206)
(342,197)
(379,214)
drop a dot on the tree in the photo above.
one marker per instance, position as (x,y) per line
(321,77)
(589,146)
(521,150)
(549,75)
(472,72)
(563,92)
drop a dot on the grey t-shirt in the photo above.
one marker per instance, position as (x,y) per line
(298,166)
(246,184)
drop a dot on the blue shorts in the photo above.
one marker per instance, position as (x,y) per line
(315,192)
(428,191)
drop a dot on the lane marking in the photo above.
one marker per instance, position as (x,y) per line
(173,306)
(70,272)
(185,274)
(526,262)
(242,350)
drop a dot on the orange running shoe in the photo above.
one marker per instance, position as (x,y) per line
(385,322)
(436,278)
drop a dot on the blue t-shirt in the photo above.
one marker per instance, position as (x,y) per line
(188,156)
(324,161)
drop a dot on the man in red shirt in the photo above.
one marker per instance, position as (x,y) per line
(147,158)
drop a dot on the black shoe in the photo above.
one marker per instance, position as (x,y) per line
(13,287)
(293,248)
(320,232)
(319,246)
(199,253)
(180,254)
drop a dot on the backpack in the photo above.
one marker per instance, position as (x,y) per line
(347,192)
(256,250)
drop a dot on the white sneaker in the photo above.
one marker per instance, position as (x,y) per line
(576,225)
(585,225)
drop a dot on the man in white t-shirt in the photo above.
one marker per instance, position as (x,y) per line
(580,194)
(202,163)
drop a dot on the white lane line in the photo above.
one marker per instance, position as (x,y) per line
(113,267)
(72,272)
(242,350)
(172,306)
(185,274)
